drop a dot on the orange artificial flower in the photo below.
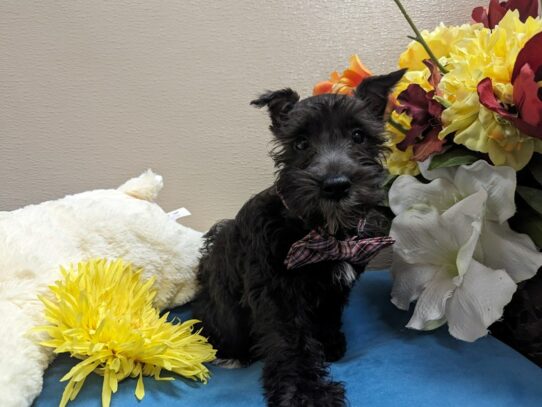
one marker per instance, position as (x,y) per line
(345,83)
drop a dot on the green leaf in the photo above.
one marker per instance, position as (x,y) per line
(530,223)
(535,167)
(389,180)
(385,203)
(453,158)
(532,196)
(534,230)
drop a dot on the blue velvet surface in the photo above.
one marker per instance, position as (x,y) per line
(385,365)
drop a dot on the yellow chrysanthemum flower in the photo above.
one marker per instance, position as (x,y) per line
(103,314)
(487,54)
(442,40)
(399,162)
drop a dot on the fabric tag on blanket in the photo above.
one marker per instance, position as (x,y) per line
(179,213)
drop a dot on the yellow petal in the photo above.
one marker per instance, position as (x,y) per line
(140,389)
(106,390)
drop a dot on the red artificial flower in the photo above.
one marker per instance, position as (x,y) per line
(426,114)
(526,114)
(496,10)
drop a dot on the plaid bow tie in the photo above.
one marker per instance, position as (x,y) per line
(317,246)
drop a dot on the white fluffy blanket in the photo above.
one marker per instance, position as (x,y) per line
(37,239)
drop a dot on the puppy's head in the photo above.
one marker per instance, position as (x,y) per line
(328,151)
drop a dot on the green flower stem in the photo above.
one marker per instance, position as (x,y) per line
(419,37)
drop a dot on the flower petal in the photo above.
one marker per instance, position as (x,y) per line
(409,281)
(526,8)
(529,55)
(358,66)
(478,302)
(431,306)
(464,220)
(406,191)
(413,100)
(430,145)
(322,87)
(411,135)
(479,15)
(527,99)
(489,100)
(496,12)
(499,183)
(422,237)
(503,248)
(435,77)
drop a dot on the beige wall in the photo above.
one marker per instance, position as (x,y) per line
(94,92)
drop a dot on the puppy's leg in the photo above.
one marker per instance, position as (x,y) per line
(330,308)
(327,327)
(226,327)
(217,305)
(294,372)
(332,338)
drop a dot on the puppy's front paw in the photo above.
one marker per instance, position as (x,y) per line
(334,347)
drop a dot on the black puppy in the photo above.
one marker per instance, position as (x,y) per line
(255,306)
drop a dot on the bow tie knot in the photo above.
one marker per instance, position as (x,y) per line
(317,246)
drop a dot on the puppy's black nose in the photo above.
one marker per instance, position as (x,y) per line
(336,186)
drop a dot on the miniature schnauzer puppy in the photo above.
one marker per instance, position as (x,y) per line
(273,282)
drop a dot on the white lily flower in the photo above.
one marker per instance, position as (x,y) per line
(455,253)
(450,185)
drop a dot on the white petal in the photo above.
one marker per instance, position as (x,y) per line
(447,173)
(478,302)
(431,306)
(422,237)
(464,221)
(409,281)
(407,191)
(499,182)
(503,248)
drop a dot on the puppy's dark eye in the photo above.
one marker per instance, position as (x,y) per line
(357,136)
(301,144)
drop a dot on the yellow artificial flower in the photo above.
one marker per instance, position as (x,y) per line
(487,54)
(399,162)
(480,129)
(103,314)
(441,41)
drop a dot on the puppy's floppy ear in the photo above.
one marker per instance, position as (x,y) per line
(279,103)
(376,89)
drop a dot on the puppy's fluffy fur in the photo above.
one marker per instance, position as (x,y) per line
(251,306)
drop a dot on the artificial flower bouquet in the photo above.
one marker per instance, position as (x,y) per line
(465,186)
